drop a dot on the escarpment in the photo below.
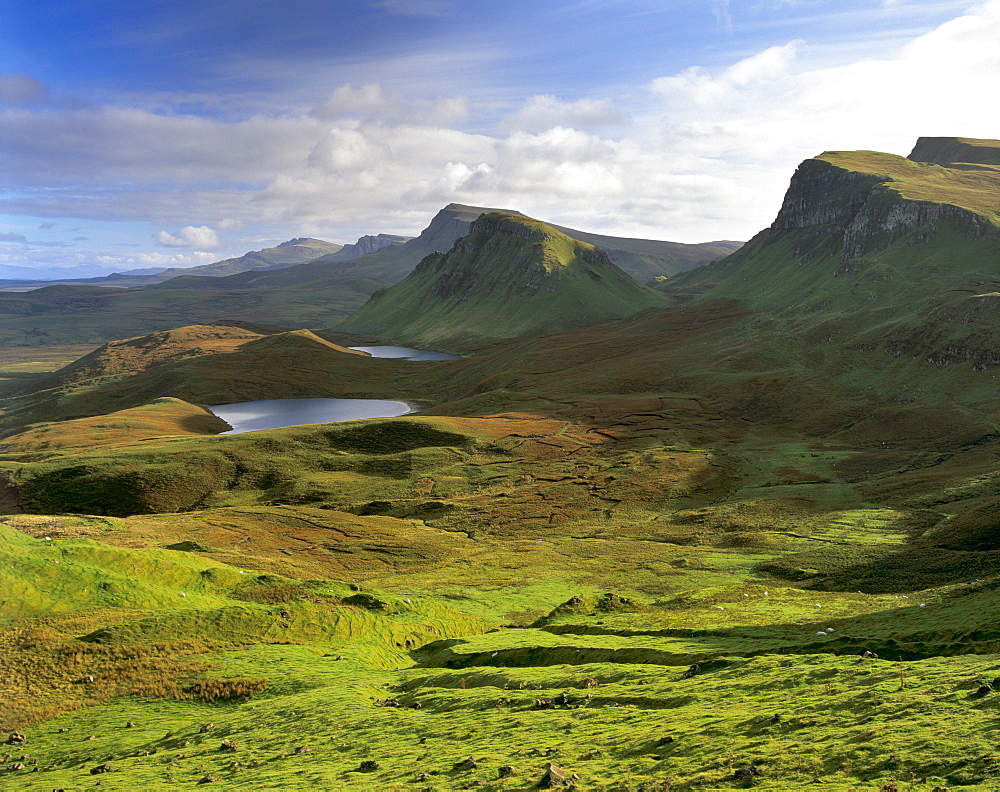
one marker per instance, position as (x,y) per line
(863,202)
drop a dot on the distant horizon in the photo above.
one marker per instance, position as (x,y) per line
(180,134)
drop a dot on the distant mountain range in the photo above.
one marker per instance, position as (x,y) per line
(294,251)
(302,282)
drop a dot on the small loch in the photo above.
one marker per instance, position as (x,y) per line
(405,352)
(279,413)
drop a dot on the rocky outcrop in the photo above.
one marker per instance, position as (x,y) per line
(368,244)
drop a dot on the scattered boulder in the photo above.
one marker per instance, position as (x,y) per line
(554,776)
(423,776)
(506,771)
(693,669)
(591,683)
(466,764)
(206,727)
(104,768)
(210,779)
(390,702)
(366,601)
(17,766)
(369,765)
(416,705)
(16,738)
(544,703)
(869,655)
(229,745)
(745,775)
(129,725)
(665,740)
(983,690)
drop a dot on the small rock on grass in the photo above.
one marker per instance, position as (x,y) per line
(104,768)
(554,777)
(466,764)
(369,765)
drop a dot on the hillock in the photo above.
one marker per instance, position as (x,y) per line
(508,277)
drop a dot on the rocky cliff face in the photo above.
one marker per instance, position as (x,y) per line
(867,203)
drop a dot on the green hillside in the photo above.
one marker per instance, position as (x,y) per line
(510,276)
(744,538)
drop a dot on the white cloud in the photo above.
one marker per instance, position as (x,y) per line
(546,111)
(346,100)
(709,157)
(772,106)
(189,237)
(21,89)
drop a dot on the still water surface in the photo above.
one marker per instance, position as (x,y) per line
(405,352)
(277,413)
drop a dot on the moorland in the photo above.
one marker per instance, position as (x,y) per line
(729,525)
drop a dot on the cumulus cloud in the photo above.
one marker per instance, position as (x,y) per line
(189,237)
(776,102)
(546,111)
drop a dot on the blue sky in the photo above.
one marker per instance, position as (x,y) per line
(172,133)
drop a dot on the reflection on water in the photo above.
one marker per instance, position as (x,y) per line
(405,352)
(277,413)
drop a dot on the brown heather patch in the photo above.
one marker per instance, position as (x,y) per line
(43,675)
